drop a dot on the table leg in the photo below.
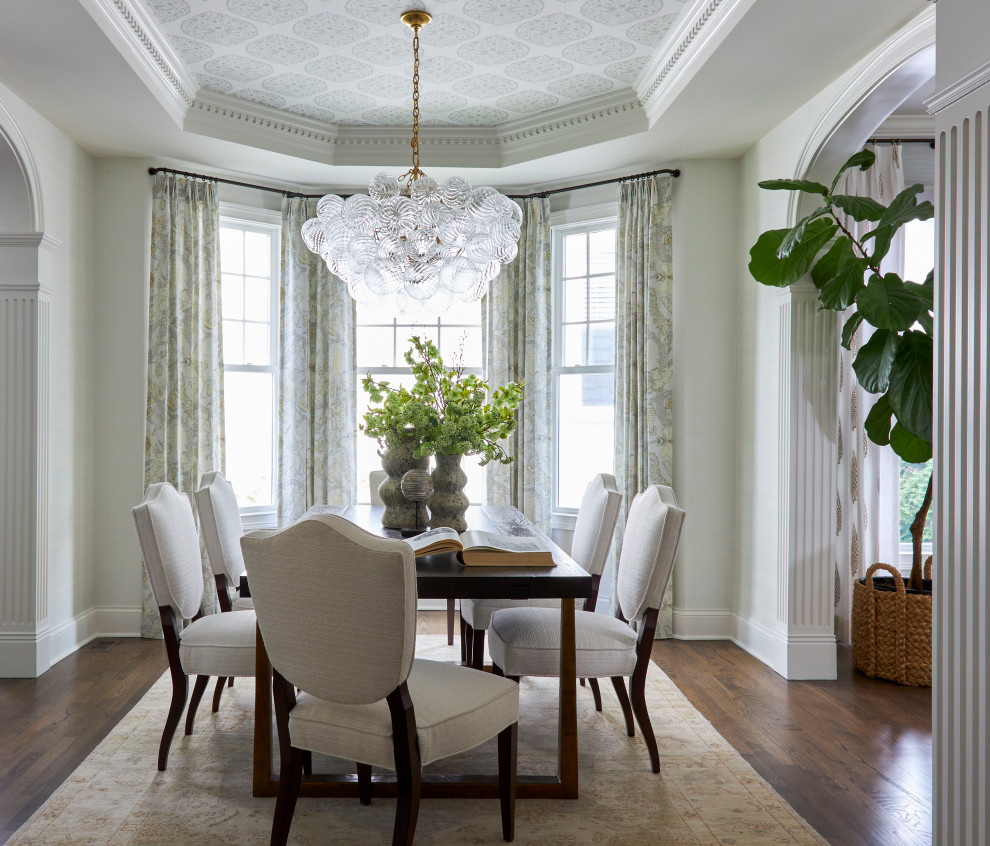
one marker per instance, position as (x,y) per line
(567,741)
(451,612)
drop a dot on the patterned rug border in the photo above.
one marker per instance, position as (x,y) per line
(702,786)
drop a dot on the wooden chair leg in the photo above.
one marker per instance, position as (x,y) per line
(290,776)
(497,670)
(407,766)
(478,649)
(507,744)
(218,692)
(637,691)
(619,683)
(230,682)
(468,643)
(307,762)
(463,641)
(197,695)
(582,682)
(450,622)
(180,690)
(596,692)
(364,783)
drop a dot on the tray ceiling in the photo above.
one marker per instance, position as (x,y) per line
(349,62)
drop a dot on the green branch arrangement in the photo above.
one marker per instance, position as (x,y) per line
(896,360)
(444,412)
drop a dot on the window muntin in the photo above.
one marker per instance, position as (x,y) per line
(249,263)
(382,340)
(584,357)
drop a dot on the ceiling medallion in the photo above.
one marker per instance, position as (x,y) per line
(410,238)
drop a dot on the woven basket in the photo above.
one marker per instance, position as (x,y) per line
(892,629)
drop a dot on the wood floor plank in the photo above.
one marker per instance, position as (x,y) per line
(852,756)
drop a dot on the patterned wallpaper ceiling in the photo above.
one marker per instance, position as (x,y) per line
(349,62)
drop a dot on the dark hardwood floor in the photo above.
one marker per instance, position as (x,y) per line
(853,756)
(49,725)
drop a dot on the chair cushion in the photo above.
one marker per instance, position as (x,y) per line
(456,709)
(526,642)
(477,613)
(219,645)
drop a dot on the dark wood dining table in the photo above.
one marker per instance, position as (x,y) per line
(442,577)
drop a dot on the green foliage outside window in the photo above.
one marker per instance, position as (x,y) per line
(914,483)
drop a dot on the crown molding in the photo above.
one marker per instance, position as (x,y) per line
(696,34)
(962,87)
(906,127)
(604,118)
(136,35)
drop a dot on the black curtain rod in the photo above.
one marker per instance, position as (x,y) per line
(672,171)
(929,141)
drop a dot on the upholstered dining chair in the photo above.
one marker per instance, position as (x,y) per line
(210,645)
(593,530)
(221,527)
(375,479)
(526,641)
(220,523)
(363,696)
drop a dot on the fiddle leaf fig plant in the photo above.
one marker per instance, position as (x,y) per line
(896,360)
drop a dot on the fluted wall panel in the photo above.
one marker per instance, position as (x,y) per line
(19,600)
(961,504)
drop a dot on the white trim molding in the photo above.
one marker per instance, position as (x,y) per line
(959,89)
(137,37)
(702,623)
(11,133)
(698,31)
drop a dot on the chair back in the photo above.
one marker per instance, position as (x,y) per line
(336,606)
(170,546)
(595,523)
(220,522)
(649,545)
(375,479)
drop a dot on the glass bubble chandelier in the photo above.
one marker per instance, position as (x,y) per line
(422,242)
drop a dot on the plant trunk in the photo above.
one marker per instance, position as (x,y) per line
(917,532)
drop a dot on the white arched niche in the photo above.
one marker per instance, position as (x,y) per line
(25,314)
(881,82)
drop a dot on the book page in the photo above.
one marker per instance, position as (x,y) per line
(475,539)
(442,537)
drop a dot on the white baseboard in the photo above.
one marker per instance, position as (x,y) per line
(100,621)
(797,657)
(702,624)
(24,655)
(434,605)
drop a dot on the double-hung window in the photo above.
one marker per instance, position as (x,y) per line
(382,340)
(249,266)
(584,356)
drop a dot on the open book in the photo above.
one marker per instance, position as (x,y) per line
(479,548)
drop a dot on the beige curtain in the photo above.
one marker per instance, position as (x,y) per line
(516,320)
(644,364)
(866,496)
(184,434)
(317,461)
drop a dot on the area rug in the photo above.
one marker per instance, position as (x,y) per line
(705,794)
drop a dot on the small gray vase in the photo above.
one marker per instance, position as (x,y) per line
(400,513)
(448,501)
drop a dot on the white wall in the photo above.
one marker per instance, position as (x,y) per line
(66,268)
(122,210)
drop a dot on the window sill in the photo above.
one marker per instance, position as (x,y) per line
(563,519)
(259,518)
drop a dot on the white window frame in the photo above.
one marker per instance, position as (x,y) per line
(268,221)
(567,222)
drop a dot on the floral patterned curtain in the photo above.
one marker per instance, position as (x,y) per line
(516,327)
(866,496)
(317,413)
(644,365)
(184,434)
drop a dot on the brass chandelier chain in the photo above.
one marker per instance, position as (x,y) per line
(415,20)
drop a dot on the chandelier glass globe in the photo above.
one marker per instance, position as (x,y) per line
(411,238)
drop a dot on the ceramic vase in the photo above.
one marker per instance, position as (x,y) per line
(400,513)
(448,501)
